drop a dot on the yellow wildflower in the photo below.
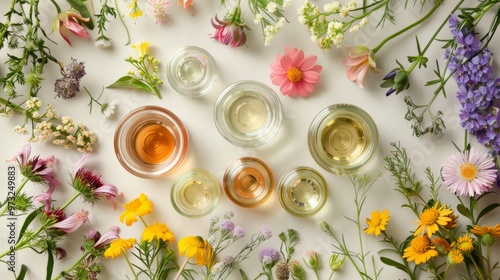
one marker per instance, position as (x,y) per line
(135,11)
(195,247)
(464,243)
(494,231)
(118,246)
(158,231)
(455,257)
(141,48)
(378,222)
(420,250)
(432,218)
(138,207)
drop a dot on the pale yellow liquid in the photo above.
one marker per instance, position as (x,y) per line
(304,193)
(247,114)
(343,139)
(194,194)
(154,143)
(190,70)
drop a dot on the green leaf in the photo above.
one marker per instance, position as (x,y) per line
(243,275)
(26,223)
(393,263)
(50,262)
(487,210)
(22,272)
(464,211)
(82,9)
(134,83)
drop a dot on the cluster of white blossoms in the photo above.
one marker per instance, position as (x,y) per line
(66,133)
(325,31)
(269,14)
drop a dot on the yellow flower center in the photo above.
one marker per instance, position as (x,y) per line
(429,217)
(468,171)
(294,74)
(421,244)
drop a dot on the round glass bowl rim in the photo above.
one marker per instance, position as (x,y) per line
(199,88)
(298,173)
(164,114)
(211,181)
(237,164)
(326,115)
(267,131)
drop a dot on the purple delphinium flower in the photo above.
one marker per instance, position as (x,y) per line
(477,89)
(269,255)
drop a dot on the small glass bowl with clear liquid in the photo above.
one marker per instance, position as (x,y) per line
(151,142)
(343,138)
(248,182)
(248,113)
(195,193)
(302,191)
(191,71)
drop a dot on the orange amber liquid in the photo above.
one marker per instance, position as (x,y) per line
(154,143)
(249,184)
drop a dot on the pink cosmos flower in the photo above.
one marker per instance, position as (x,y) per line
(229,31)
(89,184)
(469,173)
(294,73)
(187,4)
(72,222)
(70,20)
(359,60)
(37,170)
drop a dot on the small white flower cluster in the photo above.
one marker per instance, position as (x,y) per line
(327,32)
(65,133)
(269,14)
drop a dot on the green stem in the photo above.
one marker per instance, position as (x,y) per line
(123,22)
(70,200)
(73,266)
(19,188)
(143,222)
(58,9)
(124,253)
(424,18)
(478,270)
(20,245)
(488,262)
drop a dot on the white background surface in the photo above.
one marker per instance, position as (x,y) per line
(210,151)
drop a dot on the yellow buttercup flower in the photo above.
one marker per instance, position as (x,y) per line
(432,218)
(118,246)
(195,247)
(464,243)
(135,11)
(420,250)
(158,231)
(378,222)
(141,48)
(136,208)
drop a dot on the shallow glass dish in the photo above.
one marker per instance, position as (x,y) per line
(195,193)
(248,113)
(191,71)
(342,138)
(302,191)
(248,182)
(151,142)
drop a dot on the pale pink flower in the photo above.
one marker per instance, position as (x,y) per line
(44,198)
(187,4)
(104,239)
(229,30)
(158,9)
(469,173)
(36,169)
(359,59)
(89,184)
(70,20)
(295,73)
(72,222)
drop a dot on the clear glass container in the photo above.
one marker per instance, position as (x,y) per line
(150,142)
(302,191)
(248,182)
(191,71)
(195,193)
(248,113)
(342,138)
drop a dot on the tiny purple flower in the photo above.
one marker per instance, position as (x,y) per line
(228,260)
(266,232)
(271,254)
(227,225)
(238,232)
